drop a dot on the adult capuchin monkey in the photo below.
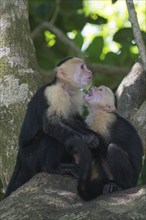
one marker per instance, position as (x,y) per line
(53,127)
(119,164)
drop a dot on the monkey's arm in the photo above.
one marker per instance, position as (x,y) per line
(63,131)
(98,144)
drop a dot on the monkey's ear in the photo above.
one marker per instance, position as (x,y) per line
(60,73)
(109,108)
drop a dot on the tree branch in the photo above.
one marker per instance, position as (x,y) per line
(96,69)
(60,35)
(55,197)
(106,69)
(63,38)
(99,68)
(55,12)
(132,91)
(136,31)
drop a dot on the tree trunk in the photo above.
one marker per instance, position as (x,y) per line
(54,197)
(19,78)
(131,95)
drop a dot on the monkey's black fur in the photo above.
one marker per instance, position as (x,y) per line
(63,61)
(45,146)
(122,160)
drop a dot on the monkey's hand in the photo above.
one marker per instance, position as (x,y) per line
(92,141)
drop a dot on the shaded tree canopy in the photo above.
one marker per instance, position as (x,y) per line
(97,30)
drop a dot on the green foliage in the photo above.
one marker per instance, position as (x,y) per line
(69,7)
(124,36)
(94,18)
(95,49)
(78,40)
(99,29)
(50,38)
(40,11)
(113,1)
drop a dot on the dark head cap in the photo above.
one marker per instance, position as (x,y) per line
(63,61)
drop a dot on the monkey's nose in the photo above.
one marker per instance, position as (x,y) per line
(90,73)
(94,88)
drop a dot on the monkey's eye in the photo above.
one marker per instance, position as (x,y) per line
(82,66)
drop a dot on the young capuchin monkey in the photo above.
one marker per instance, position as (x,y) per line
(118,165)
(53,129)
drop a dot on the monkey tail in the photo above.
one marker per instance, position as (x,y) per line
(12,184)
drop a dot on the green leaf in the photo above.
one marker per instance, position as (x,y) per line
(78,39)
(125,36)
(113,1)
(40,11)
(111,59)
(95,49)
(70,6)
(96,19)
(72,21)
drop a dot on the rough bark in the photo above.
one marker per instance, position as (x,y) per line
(136,31)
(131,95)
(55,198)
(132,91)
(18,78)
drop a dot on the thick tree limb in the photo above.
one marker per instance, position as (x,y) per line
(137,32)
(139,121)
(54,197)
(132,91)
(131,95)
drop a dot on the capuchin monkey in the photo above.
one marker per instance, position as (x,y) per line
(53,130)
(119,164)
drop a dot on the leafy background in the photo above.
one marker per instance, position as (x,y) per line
(100,29)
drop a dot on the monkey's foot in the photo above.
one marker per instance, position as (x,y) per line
(70,169)
(110,187)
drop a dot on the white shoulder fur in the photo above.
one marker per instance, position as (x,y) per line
(61,103)
(100,122)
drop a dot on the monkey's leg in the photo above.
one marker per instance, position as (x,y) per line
(110,186)
(51,154)
(120,166)
(70,169)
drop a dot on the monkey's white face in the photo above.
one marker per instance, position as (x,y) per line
(100,98)
(82,76)
(75,73)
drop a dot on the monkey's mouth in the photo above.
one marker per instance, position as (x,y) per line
(90,92)
(89,79)
(89,95)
